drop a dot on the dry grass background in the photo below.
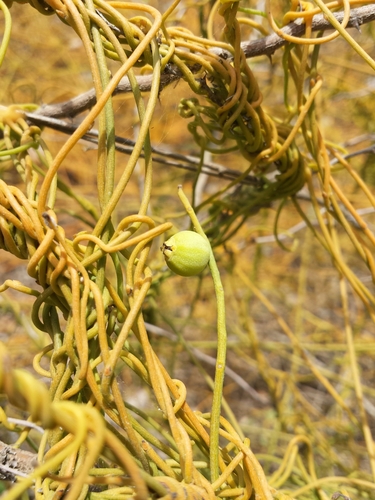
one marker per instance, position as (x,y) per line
(45,64)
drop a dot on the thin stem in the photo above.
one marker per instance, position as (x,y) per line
(221,345)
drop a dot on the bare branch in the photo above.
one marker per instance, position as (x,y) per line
(87,100)
(15,462)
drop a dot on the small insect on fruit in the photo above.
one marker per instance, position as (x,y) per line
(186,253)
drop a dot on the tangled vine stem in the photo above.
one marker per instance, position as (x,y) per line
(94,318)
(265,46)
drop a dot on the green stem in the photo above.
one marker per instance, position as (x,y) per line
(221,346)
(7,30)
(19,149)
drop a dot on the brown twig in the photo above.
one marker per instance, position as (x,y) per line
(15,462)
(87,100)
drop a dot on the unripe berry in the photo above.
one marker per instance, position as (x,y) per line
(186,253)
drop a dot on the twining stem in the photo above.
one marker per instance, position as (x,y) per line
(221,345)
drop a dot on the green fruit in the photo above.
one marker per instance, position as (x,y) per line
(186,253)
